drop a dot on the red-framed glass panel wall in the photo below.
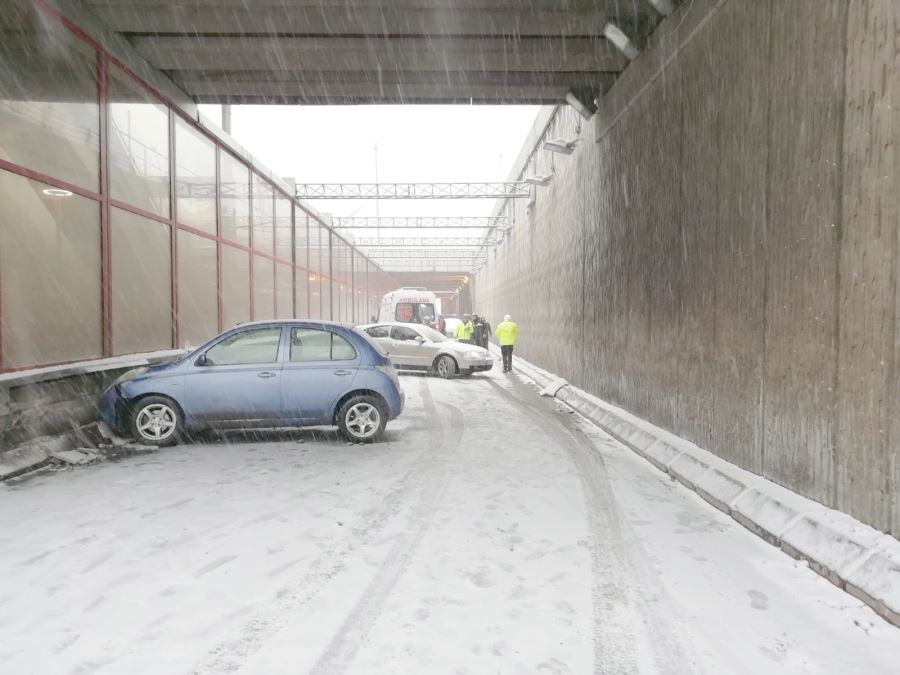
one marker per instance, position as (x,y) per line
(133,228)
(50,230)
(301,259)
(139,144)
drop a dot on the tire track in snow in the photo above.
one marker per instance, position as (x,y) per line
(345,644)
(231,654)
(616,618)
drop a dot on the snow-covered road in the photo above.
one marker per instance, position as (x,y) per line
(493,532)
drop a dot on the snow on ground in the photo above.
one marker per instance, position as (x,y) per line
(493,532)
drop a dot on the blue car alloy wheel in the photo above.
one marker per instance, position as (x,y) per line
(155,421)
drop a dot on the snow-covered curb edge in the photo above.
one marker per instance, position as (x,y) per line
(850,554)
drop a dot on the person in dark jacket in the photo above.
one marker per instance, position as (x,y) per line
(482,331)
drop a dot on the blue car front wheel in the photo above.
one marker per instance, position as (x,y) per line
(156,421)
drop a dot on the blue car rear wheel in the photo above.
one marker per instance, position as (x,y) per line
(362,419)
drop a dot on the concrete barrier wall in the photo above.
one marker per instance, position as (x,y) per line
(720,254)
(59,399)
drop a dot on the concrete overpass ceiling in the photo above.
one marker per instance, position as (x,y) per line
(381,51)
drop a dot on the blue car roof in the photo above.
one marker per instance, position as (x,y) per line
(317,322)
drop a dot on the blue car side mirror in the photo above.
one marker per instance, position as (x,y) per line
(201,360)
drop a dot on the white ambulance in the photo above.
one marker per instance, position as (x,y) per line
(410,305)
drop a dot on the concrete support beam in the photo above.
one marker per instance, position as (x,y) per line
(322,93)
(289,49)
(160,17)
(418,54)
(303,75)
(368,86)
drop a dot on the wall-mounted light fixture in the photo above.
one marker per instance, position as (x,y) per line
(584,109)
(539,179)
(664,7)
(614,34)
(561,145)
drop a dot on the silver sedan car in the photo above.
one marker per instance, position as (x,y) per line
(413,346)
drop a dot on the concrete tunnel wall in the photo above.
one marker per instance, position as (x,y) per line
(720,253)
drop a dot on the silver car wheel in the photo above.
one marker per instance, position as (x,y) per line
(156,422)
(445,367)
(363,420)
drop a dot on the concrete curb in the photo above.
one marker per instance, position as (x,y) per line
(82,445)
(22,459)
(853,556)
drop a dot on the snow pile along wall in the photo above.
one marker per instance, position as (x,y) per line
(853,556)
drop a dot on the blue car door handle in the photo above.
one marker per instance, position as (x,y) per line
(342,372)
(267,373)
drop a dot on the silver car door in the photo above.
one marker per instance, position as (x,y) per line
(382,335)
(409,352)
(430,351)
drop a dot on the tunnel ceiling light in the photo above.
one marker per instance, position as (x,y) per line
(561,145)
(664,7)
(612,33)
(539,179)
(57,192)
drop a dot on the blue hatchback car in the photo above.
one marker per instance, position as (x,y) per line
(291,373)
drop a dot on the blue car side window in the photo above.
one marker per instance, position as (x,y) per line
(312,344)
(246,347)
(341,350)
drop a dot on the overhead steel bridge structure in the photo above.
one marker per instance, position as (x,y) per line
(419,222)
(430,254)
(495,190)
(419,242)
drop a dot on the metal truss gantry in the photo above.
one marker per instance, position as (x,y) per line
(420,222)
(435,268)
(496,190)
(427,254)
(459,265)
(419,242)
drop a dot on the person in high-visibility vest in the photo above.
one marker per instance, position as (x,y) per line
(464,329)
(506,332)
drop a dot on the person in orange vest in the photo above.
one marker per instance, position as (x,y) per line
(506,332)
